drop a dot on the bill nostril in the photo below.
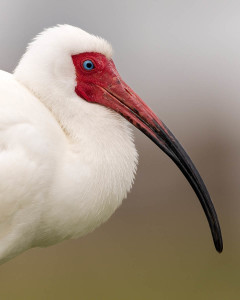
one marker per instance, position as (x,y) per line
(128,91)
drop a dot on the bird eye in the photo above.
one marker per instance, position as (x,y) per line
(88,65)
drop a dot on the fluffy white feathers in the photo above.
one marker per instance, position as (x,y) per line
(66,164)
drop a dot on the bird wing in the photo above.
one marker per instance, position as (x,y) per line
(26,163)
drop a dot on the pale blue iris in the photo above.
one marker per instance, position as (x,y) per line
(88,65)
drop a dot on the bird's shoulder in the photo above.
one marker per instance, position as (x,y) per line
(24,121)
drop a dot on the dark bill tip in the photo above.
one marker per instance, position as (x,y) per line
(169,144)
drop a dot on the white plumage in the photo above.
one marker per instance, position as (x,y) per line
(65,164)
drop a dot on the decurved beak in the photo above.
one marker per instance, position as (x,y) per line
(120,97)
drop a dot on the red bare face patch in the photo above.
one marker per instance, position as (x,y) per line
(101,75)
(100,83)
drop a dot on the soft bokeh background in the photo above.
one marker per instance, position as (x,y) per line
(183,59)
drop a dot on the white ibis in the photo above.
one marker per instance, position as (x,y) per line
(67,155)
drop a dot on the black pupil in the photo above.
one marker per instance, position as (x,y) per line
(89,65)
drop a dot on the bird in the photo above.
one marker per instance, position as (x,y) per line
(67,154)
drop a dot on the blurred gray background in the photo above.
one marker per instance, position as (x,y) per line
(183,59)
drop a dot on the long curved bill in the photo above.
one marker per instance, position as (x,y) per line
(120,97)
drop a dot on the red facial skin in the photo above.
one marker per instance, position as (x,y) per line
(104,86)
